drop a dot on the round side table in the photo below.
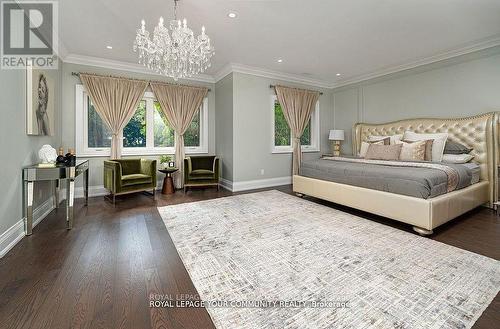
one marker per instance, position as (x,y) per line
(168,182)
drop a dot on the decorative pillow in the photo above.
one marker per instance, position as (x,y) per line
(392,138)
(428,149)
(365,145)
(457,158)
(439,140)
(383,152)
(385,139)
(414,151)
(452,147)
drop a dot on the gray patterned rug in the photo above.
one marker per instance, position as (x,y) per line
(276,247)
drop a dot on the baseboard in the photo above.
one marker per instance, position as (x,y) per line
(16,232)
(260,183)
(93,191)
(227,184)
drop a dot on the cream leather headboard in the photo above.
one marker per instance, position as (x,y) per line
(478,132)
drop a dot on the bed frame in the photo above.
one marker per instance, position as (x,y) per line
(478,132)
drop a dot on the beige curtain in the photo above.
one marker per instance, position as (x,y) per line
(115,100)
(179,104)
(297,105)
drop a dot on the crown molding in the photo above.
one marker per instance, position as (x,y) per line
(223,72)
(464,50)
(271,74)
(124,66)
(265,73)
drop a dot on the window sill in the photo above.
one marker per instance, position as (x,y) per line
(284,151)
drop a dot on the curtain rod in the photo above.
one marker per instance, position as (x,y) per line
(272,86)
(76,74)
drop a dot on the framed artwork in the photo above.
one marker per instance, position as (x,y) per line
(40,102)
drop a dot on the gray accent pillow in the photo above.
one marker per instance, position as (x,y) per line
(383,152)
(452,147)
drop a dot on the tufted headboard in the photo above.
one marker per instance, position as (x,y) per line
(478,132)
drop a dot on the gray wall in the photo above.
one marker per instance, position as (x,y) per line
(461,86)
(252,128)
(239,124)
(224,125)
(19,149)
(68,118)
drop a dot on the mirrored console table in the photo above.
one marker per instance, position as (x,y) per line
(35,173)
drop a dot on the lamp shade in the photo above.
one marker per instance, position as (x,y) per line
(336,135)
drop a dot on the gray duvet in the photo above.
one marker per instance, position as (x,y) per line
(416,182)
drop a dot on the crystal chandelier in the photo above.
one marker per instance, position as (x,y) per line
(174,52)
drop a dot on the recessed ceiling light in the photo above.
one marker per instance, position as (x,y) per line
(232,15)
(109,47)
(280,60)
(338,74)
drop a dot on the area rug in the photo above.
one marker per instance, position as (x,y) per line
(271,246)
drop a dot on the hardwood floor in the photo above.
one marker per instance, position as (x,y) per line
(100,274)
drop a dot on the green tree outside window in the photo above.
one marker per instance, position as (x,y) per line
(98,133)
(134,133)
(164,133)
(282,132)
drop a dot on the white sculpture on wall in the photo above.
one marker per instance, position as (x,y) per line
(47,154)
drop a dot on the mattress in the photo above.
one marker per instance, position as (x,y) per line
(411,181)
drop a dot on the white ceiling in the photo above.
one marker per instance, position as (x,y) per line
(316,39)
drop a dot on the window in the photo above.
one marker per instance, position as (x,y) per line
(134,133)
(164,134)
(147,132)
(98,133)
(282,135)
(192,134)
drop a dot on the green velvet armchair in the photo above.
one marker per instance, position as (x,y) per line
(129,175)
(201,171)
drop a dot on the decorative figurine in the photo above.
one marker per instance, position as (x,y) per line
(70,159)
(60,158)
(47,154)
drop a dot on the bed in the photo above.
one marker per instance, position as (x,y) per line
(417,195)
(415,179)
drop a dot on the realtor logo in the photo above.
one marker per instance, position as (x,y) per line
(29,34)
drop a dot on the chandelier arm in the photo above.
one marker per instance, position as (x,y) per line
(175,9)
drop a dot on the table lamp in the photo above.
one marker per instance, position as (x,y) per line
(336,136)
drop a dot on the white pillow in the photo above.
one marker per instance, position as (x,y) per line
(438,142)
(364,148)
(394,138)
(457,158)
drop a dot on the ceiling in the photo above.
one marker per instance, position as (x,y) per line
(316,39)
